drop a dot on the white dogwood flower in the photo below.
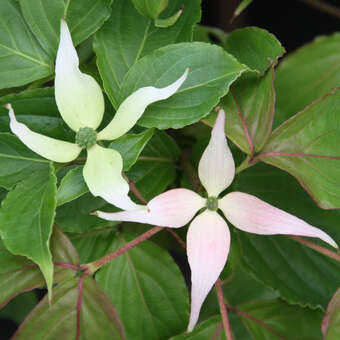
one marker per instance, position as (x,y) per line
(208,237)
(81,104)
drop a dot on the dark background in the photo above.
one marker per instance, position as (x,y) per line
(293,22)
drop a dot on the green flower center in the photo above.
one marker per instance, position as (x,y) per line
(86,137)
(212,203)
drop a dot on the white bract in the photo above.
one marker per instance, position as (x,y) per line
(208,237)
(81,104)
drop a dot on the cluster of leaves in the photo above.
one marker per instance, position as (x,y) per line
(283,123)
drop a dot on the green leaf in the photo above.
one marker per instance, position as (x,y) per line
(17,161)
(22,59)
(307,74)
(18,308)
(283,321)
(203,331)
(212,72)
(83,18)
(156,305)
(130,146)
(97,316)
(128,36)
(36,108)
(94,245)
(75,216)
(307,146)
(150,8)
(250,109)
(18,274)
(301,275)
(331,320)
(26,219)
(254,47)
(72,186)
(155,168)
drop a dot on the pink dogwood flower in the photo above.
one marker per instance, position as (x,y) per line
(208,237)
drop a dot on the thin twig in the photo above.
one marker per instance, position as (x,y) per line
(324,7)
(78,307)
(316,247)
(67,265)
(136,192)
(223,310)
(92,267)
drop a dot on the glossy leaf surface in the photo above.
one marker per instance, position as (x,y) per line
(128,36)
(254,47)
(208,65)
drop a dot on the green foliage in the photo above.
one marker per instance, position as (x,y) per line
(157,304)
(274,287)
(26,228)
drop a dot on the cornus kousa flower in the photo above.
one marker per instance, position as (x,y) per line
(208,237)
(81,104)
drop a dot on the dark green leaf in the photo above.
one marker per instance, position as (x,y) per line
(155,168)
(152,304)
(250,109)
(282,321)
(83,18)
(212,72)
(18,308)
(307,74)
(301,275)
(75,216)
(97,316)
(130,146)
(205,330)
(18,274)
(26,219)
(254,47)
(22,59)
(307,146)
(17,161)
(72,186)
(127,36)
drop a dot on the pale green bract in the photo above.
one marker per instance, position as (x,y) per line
(81,104)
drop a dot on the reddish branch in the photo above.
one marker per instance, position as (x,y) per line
(223,310)
(79,303)
(217,332)
(92,267)
(316,247)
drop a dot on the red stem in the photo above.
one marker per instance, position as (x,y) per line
(79,302)
(223,310)
(92,267)
(67,265)
(316,247)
